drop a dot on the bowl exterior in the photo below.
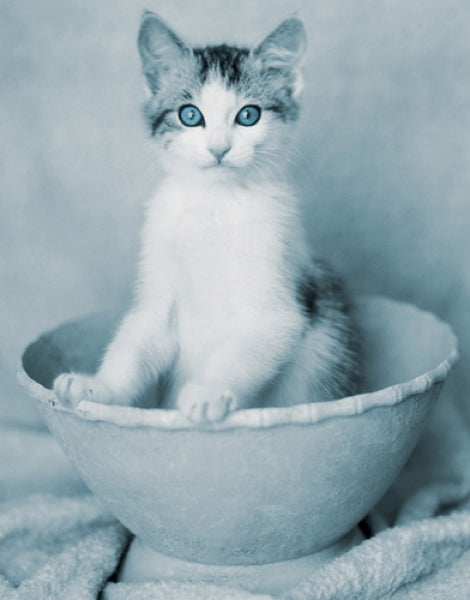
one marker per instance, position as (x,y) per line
(244,496)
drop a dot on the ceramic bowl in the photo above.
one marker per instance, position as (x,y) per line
(265,485)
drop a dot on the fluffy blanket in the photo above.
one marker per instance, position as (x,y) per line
(57,541)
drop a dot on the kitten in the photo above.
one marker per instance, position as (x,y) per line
(230,308)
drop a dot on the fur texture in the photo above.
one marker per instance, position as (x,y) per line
(230,309)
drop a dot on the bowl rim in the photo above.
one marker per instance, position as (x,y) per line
(259,418)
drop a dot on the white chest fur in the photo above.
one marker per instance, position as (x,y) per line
(225,252)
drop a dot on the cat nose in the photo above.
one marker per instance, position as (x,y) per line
(219,152)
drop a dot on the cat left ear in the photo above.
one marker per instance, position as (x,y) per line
(160,49)
(284,49)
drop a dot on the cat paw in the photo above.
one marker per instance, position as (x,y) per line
(201,404)
(73,388)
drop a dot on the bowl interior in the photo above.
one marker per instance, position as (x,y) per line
(399,342)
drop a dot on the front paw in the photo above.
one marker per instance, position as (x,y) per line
(73,388)
(203,404)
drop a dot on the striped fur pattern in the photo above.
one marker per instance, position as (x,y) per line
(235,68)
(230,311)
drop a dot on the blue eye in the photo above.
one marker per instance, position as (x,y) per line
(248,115)
(191,116)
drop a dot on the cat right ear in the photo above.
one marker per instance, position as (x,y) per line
(284,49)
(160,49)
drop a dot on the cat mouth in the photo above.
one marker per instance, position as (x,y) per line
(218,165)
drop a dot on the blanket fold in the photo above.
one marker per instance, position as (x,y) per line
(53,547)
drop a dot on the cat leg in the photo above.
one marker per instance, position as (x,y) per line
(143,347)
(239,368)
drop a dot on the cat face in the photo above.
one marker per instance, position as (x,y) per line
(221,127)
(221,109)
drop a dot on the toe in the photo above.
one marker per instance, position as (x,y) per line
(70,389)
(198,412)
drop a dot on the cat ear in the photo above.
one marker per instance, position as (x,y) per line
(160,49)
(284,49)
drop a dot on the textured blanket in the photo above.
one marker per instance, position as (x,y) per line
(57,541)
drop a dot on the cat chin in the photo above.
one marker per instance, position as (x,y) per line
(219,171)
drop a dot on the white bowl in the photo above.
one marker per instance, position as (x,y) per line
(265,485)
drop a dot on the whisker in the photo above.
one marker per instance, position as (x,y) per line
(273,153)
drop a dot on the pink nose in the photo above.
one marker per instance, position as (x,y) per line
(219,152)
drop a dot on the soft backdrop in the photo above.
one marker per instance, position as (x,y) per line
(384,140)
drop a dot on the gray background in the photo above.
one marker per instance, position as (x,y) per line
(384,139)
